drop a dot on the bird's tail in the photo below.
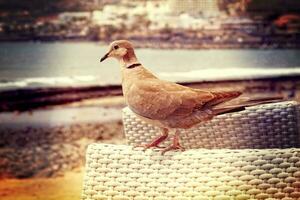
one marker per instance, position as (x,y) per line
(245,103)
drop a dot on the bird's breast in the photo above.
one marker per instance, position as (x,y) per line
(144,101)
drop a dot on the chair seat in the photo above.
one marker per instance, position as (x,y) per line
(121,172)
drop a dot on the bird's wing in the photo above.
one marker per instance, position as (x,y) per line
(158,99)
(221,97)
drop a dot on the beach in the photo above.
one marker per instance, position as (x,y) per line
(54,104)
(43,150)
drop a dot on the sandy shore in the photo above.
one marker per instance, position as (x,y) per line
(49,142)
(67,187)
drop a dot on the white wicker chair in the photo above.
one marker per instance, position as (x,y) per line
(252,154)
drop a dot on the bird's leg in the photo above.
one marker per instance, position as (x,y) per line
(175,145)
(158,140)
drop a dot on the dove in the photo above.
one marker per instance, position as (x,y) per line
(168,105)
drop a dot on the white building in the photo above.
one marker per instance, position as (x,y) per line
(67,16)
(194,7)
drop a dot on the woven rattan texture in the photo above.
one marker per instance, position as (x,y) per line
(120,172)
(266,126)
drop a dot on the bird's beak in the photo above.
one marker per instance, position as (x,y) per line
(104,57)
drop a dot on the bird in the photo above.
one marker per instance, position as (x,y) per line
(168,105)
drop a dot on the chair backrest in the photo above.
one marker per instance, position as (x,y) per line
(273,125)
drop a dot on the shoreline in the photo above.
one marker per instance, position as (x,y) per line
(43,97)
(29,99)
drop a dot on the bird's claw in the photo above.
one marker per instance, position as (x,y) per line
(148,146)
(172,147)
(154,143)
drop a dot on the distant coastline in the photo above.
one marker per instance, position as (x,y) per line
(182,43)
(21,100)
(158,24)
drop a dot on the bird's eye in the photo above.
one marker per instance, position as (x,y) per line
(116,47)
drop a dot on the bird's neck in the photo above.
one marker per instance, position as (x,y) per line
(132,69)
(132,73)
(128,59)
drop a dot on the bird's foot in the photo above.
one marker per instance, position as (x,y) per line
(155,143)
(152,146)
(172,147)
(148,146)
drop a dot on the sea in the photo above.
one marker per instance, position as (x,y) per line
(72,64)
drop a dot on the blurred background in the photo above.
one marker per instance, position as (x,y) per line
(56,97)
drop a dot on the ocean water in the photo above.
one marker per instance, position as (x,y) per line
(33,64)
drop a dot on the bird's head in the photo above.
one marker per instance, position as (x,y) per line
(121,50)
